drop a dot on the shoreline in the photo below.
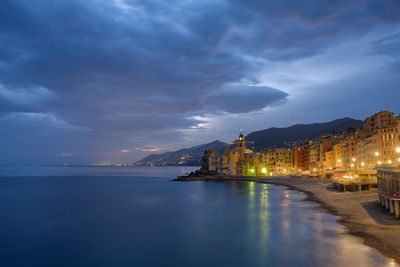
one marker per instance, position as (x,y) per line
(359,212)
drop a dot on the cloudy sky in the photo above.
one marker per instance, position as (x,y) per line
(102,81)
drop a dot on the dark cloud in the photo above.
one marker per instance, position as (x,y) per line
(388,46)
(242,99)
(147,66)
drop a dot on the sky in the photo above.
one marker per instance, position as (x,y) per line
(110,81)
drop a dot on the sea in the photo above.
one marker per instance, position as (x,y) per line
(138,216)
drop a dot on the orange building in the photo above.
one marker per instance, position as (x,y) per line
(301,157)
(386,144)
(379,120)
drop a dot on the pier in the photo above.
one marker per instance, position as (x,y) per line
(390,202)
(352,184)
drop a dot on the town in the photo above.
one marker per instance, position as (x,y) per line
(354,160)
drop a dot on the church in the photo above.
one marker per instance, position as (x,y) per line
(239,161)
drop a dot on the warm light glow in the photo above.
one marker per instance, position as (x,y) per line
(264,170)
(376,153)
(379,163)
(353,159)
(315,169)
(362,163)
(352,165)
(389,161)
(339,160)
(252,170)
(124,150)
(398,150)
(147,149)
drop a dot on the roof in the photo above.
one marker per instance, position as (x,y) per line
(387,169)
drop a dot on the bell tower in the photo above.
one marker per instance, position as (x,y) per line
(241,146)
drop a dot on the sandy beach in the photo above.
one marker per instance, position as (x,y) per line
(358,211)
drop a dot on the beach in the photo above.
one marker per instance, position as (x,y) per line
(358,211)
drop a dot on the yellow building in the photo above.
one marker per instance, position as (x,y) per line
(251,166)
(240,161)
(386,143)
(315,157)
(328,160)
(349,150)
(278,161)
(338,155)
(372,155)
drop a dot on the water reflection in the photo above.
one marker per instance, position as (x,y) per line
(132,221)
(284,229)
(264,221)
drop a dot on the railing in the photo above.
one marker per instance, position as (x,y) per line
(356,180)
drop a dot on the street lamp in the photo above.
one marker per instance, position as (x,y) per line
(377,154)
(362,163)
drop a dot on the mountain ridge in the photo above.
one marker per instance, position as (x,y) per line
(279,136)
(185,156)
(263,139)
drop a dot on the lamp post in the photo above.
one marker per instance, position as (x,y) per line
(376,158)
(353,166)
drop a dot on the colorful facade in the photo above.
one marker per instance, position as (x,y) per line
(352,152)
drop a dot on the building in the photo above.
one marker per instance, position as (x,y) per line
(209,161)
(389,189)
(315,157)
(301,158)
(349,150)
(236,162)
(379,120)
(338,156)
(328,160)
(351,153)
(278,161)
(386,144)
(250,165)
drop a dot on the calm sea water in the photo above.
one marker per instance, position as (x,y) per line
(96,216)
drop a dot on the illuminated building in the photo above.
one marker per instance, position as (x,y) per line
(301,157)
(379,120)
(278,161)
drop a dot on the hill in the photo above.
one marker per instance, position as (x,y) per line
(279,136)
(187,156)
(272,137)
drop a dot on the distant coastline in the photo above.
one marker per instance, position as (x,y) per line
(358,211)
